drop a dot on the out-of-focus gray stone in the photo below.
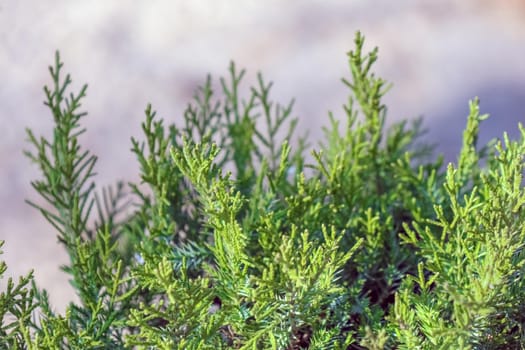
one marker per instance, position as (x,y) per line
(438,55)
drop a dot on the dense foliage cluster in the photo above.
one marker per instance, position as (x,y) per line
(234,239)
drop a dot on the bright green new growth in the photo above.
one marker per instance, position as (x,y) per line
(234,241)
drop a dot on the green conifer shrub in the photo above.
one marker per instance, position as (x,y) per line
(234,239)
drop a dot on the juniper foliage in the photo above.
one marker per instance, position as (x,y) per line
(233,239)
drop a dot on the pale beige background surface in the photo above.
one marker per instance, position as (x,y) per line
(438,54)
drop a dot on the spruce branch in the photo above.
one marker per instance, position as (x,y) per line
(66,169)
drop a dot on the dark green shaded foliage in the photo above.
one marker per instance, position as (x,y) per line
(234,240)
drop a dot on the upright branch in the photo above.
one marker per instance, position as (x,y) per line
(66,168)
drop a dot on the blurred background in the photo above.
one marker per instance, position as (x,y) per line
(438,54)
